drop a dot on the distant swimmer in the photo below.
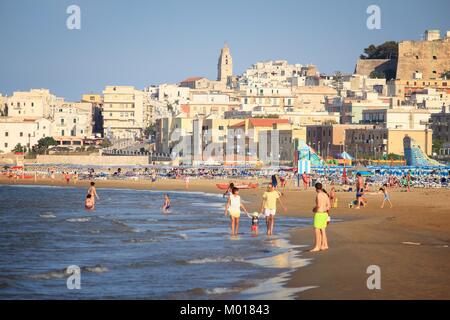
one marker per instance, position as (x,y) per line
(233,207)
(166,205)
(93,192)
(89,203)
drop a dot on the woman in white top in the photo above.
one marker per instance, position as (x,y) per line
(234,206)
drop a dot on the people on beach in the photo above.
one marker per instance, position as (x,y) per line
(166,205)
(67,177)
(305,179)
(186,182)
(89,203)
(228,191)
(321,218)
(386,197)
(408,181)
(233,207)
(93,192)
(255,222)
(333,198)
(269,207)
(75,177)
(274,181)
(359,190)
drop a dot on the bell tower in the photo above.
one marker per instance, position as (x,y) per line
(225,65)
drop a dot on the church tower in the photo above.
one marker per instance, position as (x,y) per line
(225,65)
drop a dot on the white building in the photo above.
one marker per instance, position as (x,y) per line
(72,119)
(23,131)
(123,112)
(267,99)
(406,118)
(33,103)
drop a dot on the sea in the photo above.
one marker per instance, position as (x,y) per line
(128,248)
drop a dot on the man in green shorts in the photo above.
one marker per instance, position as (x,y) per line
(320,218)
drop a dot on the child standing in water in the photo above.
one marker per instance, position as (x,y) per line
(255,220)
(166,204)
(89,202)
(234,206)
(383,189)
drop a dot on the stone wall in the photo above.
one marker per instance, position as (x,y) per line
(423,57)
(366,66)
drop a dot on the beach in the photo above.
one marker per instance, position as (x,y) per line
(408,242)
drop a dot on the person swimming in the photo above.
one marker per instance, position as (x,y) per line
(89,202)
(166,205)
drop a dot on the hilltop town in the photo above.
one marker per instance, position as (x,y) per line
(366,114)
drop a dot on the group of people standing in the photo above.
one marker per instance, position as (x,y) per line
(270,198)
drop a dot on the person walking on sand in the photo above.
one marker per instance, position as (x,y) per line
(269,207)
(305,179)
(186,182)
(408,181)
(386,197)
(75,177)
(274,181)
(321,218)
(233,207)
(67,177)
(359,190)
(93,192)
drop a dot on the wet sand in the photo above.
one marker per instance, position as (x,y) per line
(410,242)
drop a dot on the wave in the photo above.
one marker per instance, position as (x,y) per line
(62,273)
(216,260)
(138,240)
(78,220)
(48,215)
(221,291)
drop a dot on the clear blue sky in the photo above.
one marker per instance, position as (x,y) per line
(149,42)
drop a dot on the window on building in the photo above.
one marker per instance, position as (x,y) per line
(62,133)
(62,121)
(417,57)
(6,145)
(434,58)
(220,127)
(74,120)
(21,134)
(32,104)
(6,134)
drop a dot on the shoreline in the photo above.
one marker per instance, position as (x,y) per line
(410,243)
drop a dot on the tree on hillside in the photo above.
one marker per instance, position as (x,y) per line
(19,148)
(149,131)
(43,144)
(387,50)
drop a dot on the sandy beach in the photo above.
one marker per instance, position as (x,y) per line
(408,242)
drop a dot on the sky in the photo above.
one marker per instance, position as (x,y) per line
(141,43)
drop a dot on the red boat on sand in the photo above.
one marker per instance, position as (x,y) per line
(224,186)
